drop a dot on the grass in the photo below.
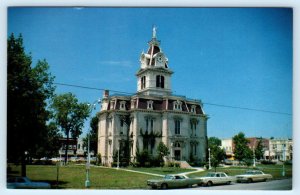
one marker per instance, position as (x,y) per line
(274,170)
(74,177)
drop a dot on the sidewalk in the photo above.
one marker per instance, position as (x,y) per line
(198,169)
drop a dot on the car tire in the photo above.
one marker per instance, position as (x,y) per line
(209,183)
(164,186)
(249,180)
(228,182)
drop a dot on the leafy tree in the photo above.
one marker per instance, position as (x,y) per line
(28,89)
(259,153)
(216,152)
(69,115)
(53,139)
(142,157)
(241,151)
(162,151)
(94,134)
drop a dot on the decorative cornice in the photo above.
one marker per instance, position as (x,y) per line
(154,69)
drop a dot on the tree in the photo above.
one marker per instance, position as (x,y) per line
(162,151)
(259,153)
(28,89)
(69,115)
(94,134)
(216,152)
(51,147)
(241,151)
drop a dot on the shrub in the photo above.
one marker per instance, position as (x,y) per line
(267,162)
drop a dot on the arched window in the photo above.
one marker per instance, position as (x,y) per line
(160,81)
(177,145)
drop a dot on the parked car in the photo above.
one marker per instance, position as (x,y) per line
(253,175)
(172,181)
(215,178)
(25,183)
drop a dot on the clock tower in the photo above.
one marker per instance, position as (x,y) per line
(154,75)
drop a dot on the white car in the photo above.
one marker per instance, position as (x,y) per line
(25,183)
(213,178)
(253,175)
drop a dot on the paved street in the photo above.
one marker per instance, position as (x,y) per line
(284,184)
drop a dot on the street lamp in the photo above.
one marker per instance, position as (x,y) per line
(87,181)
(283,159)
(254,157)
(209,164)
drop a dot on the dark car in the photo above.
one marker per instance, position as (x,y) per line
(25,183)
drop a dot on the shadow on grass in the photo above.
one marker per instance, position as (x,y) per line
(54,184)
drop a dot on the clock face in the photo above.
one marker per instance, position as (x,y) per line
(160,59)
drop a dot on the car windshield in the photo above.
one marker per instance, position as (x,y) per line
(169,177)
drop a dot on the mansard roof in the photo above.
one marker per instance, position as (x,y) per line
(165,103)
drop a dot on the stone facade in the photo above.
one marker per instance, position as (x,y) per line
(141,121)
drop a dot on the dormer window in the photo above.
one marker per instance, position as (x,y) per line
(132,104)
(150,105)
(177,105)
(122,105)
(193,109)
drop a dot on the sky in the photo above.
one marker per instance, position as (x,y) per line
(236,57)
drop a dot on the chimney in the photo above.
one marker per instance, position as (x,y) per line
(105,93)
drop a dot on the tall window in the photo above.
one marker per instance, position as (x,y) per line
(143,82)
(122,125)
(160,81)
(193,127)
(177,126)
(149,124)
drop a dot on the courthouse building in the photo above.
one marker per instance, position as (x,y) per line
(133,123)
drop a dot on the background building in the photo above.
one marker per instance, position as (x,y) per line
(278,149)
(141,121)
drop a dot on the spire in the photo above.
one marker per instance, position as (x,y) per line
(154,32)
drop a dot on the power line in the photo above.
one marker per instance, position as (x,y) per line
(211,104)
(92,88)
(251,109)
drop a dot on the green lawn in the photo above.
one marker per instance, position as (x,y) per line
(274,170)
(73,177)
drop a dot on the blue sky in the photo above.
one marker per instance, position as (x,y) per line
(229,56)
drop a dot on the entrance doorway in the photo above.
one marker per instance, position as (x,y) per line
(177,155)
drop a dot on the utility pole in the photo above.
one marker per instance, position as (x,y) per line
(209,163)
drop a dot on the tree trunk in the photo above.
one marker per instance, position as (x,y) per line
(67,148)
(23,165)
